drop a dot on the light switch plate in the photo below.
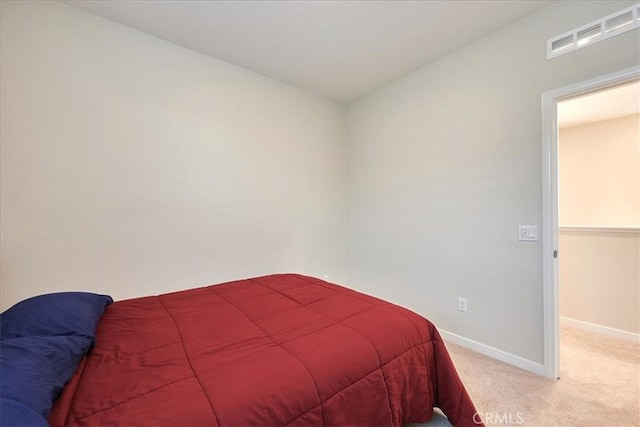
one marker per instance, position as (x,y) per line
(462,304)
(528,233)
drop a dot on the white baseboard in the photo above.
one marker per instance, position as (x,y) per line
(599,329)
(500,355)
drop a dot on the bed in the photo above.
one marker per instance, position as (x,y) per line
(282,350)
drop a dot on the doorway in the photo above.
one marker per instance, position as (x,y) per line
(550,223)
(599,212)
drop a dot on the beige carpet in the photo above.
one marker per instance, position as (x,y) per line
(599,385)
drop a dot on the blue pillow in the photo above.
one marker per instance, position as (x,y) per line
(35,369)
(15,414)
(63,313)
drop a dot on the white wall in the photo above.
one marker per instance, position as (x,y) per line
(445,163)
(132,166)
(599,173)
(599,182)
(600,278)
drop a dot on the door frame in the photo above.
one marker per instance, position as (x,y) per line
(550,276)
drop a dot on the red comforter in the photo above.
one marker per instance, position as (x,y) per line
(274,350)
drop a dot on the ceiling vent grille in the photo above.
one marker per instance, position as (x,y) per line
(602,29)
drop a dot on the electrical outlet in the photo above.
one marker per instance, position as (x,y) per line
(462,304)
(528,233)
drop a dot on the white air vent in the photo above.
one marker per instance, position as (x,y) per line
(588,34)
(609,26)
(619,21)
(562,43)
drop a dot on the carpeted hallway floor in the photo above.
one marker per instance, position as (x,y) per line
(599,385)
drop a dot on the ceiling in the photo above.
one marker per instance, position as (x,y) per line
(606,104)
(338,49)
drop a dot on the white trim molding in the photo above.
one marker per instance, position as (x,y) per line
(599,329)
(599,229)
(551,320)
(493,352)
